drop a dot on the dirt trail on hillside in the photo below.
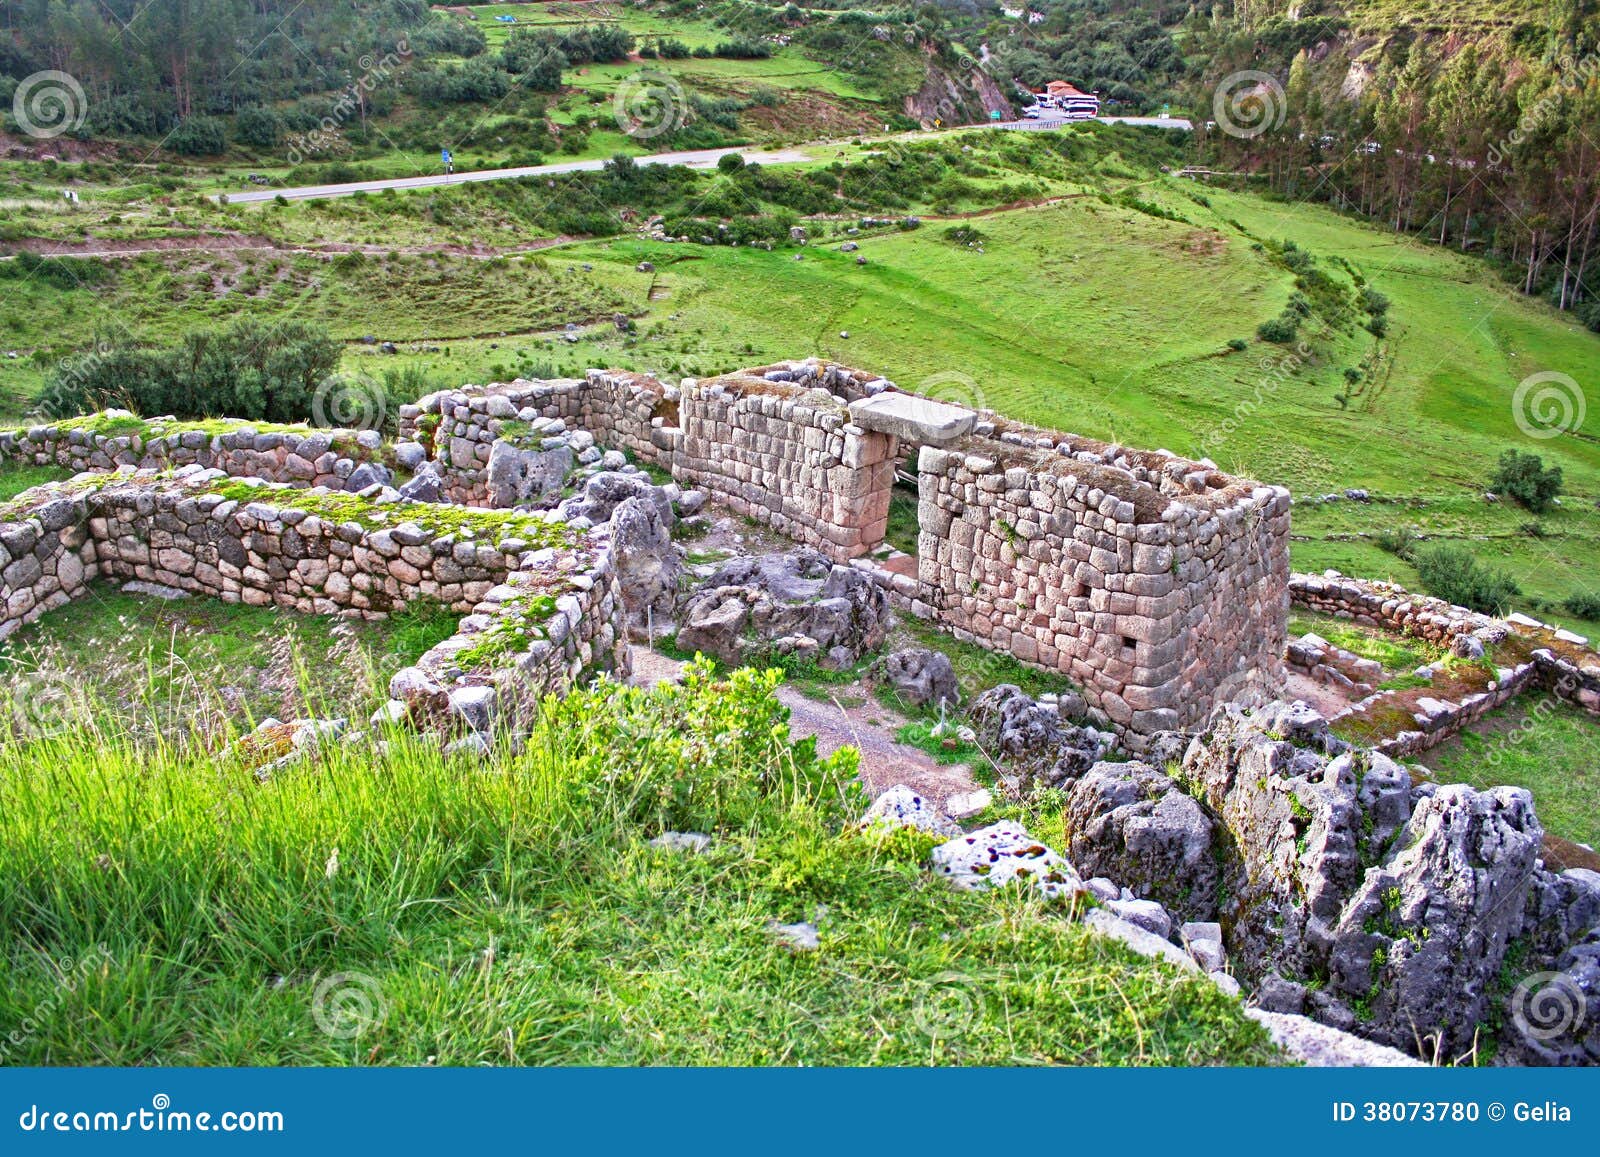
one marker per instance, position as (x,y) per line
(870,727)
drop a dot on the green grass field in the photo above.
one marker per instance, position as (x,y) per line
(1549,748)
(1112,310)
(200,665)
(399,907)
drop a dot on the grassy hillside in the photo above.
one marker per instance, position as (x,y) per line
(404,908)
(1118,302)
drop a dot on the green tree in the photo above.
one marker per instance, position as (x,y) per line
(1524,478)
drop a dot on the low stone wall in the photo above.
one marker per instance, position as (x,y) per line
(1386,606)
(1544,656)
(544,602)
(520,644)
(297,456)
(46,557)
(458,428)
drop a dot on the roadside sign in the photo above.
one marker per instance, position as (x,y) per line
(994,114)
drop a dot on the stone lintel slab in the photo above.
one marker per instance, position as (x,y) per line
(920,420)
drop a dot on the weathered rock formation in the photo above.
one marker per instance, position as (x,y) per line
(1376,905)
(919,677)
(796,603)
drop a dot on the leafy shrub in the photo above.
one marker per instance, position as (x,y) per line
(198,137)
(1398,541)
(257,126)
(744,49)
(248,370)
(1238,344)
(1280,329)
(1583,604)
(1524,478)
(1452,574)
(704,755)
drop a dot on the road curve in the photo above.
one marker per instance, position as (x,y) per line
(694,159)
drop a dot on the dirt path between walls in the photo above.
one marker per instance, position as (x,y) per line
(840,721)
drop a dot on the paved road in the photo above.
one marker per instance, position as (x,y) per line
(694,159)
(1055,121)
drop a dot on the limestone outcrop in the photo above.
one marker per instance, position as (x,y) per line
(798,603)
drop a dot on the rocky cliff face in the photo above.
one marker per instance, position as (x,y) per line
(962,95)
(1416,915)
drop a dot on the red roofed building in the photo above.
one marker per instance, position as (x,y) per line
(1078,105)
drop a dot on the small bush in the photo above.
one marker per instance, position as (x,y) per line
(198,137)
(1280,329)
(1524,478)
(1452,574)
(1583,604)
(1400,542)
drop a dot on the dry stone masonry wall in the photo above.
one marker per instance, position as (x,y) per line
(543,600)
(336,459)
(1155,582)
(788,456)
(1526,652)
(1151,597)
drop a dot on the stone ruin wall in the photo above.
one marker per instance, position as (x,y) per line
(623,411)
(1151,602)
(1556,661)
(277,550)
(790,458)
(1156,583)
(328,458)
(777,452)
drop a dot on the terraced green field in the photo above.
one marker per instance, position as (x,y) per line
(1117,303)
(1120,327)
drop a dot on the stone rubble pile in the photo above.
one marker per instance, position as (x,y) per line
(798,603)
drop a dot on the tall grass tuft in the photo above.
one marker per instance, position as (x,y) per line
(381,901)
